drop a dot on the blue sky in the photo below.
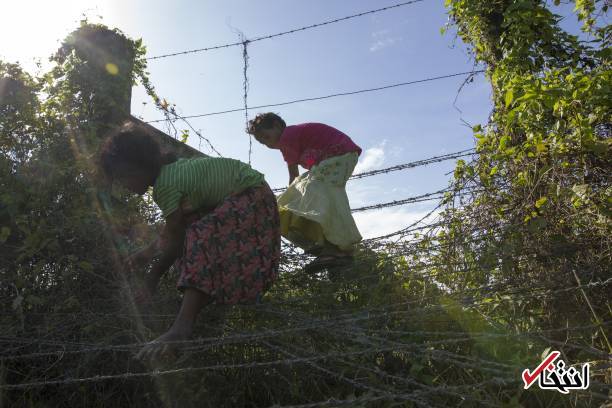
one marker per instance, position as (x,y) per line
(392,126)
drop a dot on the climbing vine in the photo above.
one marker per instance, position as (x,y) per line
(543,165)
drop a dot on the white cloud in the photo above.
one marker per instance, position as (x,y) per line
(380,44)
(360,192)
(375,223)
(381,33)
(383,39)
(371,159)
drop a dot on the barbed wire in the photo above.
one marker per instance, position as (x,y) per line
(313,323)
(401,248)
(316,98)
(410,200)
(283,33)
(356,334)
(310,360)
(373,340)
(399,254)
(334,402)
(365,314)
(343,377)
(172,116)
(245,86)
(417,163)
(524,292)
(408,229)
(158,373)
(444,389)
(257,364)
(439,355)
(404,166)
(375,344)
(567,288)
(288,361)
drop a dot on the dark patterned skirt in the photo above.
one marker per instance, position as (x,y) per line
(232,253)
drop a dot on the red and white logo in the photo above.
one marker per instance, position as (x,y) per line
(551,375)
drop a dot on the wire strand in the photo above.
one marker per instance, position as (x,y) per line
(316,98)
(295,30)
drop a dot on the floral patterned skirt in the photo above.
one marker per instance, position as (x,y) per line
(232,253)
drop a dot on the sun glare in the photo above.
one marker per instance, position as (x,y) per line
(32,29)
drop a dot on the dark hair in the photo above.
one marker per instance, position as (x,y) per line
(264,121)
(132,144)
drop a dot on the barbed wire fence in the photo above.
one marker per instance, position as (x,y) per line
(352,325)
(329,328)
(328,96)
(283,33)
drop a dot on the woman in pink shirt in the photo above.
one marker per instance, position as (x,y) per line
(315,212)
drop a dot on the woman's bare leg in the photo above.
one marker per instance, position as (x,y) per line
(182,328)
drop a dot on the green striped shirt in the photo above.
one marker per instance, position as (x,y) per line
(204,182)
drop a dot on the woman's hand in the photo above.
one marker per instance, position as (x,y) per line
(170,243)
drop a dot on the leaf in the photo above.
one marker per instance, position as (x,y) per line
(541,201)
(185,136)
(509,98)
(503,142)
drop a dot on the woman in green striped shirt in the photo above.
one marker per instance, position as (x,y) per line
(222,228)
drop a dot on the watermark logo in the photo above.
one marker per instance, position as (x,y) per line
(554,375)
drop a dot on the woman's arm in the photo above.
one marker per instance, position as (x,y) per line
(293,172)
(172,238)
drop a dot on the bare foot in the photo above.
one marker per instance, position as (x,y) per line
(165,346)
(168,343)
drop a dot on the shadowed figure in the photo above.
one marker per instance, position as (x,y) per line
(221,229)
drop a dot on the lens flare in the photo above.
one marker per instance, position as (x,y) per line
(112,68)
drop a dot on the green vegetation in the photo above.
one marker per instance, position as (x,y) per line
(542,213)
(446,318)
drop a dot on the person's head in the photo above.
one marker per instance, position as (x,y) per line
(267,129)
(132,157)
